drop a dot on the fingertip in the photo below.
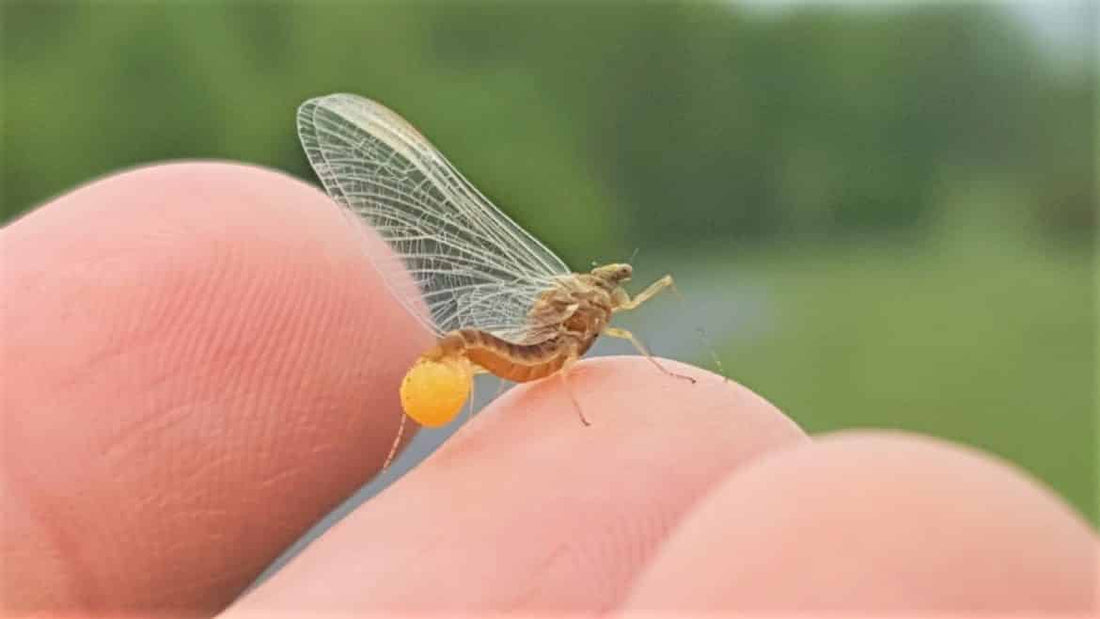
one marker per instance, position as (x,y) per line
(873,523)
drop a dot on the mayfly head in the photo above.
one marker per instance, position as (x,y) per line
(613,275)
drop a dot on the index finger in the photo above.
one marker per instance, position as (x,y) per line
(200,362)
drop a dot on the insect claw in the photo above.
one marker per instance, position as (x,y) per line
(577,406)
(693,381)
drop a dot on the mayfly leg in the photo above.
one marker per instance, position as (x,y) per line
(627,335)
(649,293)
(563,372)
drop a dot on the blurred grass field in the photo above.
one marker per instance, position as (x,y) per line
(980,338)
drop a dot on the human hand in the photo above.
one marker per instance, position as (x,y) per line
(200,362)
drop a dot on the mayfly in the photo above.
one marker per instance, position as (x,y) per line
(497,299)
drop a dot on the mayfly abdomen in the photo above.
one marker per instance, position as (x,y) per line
(518,363)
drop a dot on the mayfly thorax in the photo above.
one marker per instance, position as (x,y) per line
(497,299)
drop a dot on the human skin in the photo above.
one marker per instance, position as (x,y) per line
(199,362)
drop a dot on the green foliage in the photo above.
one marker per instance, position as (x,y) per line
(986,344)
(661,125)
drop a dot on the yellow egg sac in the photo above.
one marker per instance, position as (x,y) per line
(433,392)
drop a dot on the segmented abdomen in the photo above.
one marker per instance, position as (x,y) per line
(515,362)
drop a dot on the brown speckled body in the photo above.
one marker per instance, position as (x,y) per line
(571,316)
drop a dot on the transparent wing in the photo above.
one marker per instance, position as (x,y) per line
(471,265)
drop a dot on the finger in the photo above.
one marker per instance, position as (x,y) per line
(528,510)
(199,362)
(870,524)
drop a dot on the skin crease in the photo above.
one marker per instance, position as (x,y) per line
(199,362)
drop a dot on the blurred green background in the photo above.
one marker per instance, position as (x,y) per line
(882,214)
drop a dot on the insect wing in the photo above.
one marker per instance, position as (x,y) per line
(470,265)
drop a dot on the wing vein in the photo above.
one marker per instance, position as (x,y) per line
(470,264)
